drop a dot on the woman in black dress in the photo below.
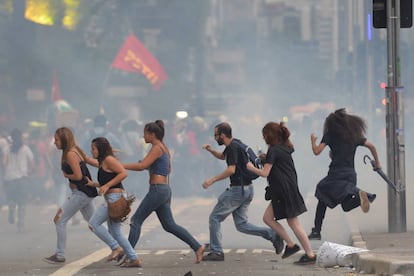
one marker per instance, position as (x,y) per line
(286,200)
(342,133)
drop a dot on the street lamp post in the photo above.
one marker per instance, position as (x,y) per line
(395,123)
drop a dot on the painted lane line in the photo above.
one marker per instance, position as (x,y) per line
(74,267)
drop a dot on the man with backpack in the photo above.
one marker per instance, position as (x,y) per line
(235,199)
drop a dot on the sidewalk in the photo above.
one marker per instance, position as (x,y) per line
(390,253)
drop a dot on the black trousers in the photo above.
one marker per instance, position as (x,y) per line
(350,203)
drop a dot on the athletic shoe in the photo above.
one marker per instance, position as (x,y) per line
(289,251)
(371,197)
(278,244)
(364,201)
(121,260)
(305,260)
(314,235)
(54,259)
(214,257)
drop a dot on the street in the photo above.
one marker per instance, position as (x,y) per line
(162,253)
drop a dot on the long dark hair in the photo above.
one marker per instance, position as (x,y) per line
(157,128)
(17,140)
(344,126)
(275,134)
(104,148)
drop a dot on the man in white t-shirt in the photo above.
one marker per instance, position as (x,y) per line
(18,163)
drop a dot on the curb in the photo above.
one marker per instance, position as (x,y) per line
(379,265)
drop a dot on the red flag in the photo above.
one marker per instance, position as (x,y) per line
(55,96)
(134,57)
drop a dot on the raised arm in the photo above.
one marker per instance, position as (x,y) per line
(154,153)
(317,149)
(91,161)
(217,154)
(374,153)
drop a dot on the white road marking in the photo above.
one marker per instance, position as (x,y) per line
(74,267)
(181,251)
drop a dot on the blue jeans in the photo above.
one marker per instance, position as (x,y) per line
(113,236)
(77,201)
(233,201)
(158,199)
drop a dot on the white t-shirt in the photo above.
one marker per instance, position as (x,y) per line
(18,163)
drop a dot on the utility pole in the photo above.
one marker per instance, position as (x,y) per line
(395,122)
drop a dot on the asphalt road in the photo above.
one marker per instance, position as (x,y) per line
(162,253)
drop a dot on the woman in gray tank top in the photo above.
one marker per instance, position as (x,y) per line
(158,198)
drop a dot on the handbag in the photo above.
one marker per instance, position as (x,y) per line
(118,210)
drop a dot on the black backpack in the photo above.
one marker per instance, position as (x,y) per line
(248,155)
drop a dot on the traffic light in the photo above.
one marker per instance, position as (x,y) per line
(379,13)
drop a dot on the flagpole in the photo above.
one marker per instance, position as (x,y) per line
(105,82)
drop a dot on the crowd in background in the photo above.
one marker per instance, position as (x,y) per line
(184,137)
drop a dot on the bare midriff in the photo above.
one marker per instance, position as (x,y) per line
(158,179)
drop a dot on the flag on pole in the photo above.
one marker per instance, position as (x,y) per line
(55,95)
(134,57)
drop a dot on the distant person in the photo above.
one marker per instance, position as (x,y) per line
(100,129)
(158,198)
(18,163)
(75,170)
(4,144)
(131,139)
(343,133)
(234,200)
(132,150)
(286,199)
(110,176)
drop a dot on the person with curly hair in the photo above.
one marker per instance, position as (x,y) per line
(342,133)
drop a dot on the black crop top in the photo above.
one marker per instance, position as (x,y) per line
(81,184)
(104,177)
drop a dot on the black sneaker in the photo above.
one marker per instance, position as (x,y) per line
(289,251)
(121,260)
(214,257)
(278,244)
(54,259)
(314,235)
(371,197)
(305,260)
